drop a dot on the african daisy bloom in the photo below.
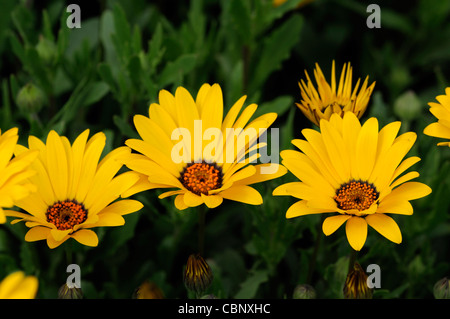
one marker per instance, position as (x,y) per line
(75,191)
(327,99)
(18,286)
(13,172)
(356,171)
(441,111)
(188,145)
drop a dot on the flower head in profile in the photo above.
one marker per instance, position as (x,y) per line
(76,190)
(197,275)
(18,286)
(327,99)
(14,172)
(189,145)
(355,171)
(355,286)
(441,111)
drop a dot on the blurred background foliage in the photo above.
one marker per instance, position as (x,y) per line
(100,75)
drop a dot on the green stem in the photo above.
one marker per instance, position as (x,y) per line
(68,248)
(201,229)
(352,260)
(312,261)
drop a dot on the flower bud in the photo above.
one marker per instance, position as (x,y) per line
(46,50)
(148,290)
(407,106)
(304,291)
(197,274)
(441,289)
(356,284)
(69,293)
(30,98)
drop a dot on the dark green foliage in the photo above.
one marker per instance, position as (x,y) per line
(113,67)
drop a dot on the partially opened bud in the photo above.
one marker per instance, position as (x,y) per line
(148,290)
(356,284)
(69,293)
(197,274)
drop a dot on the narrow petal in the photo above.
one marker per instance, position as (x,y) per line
(264,172)
(192,200)
(301,208)
(244,194)
(212,201)
(57,165)
(86,237)
(37,233)
(356,230)
(331,224)
(386,226)
(179,202)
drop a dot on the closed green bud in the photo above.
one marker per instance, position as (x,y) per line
(46,50)
(30,98)
(441,289)
(407,106)
(69,293)
(304,292)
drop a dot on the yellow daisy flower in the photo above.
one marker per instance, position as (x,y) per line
(75,191)
(188,145)
(326,100)
(13,172)
(354,170)
(18,286)
(441,111)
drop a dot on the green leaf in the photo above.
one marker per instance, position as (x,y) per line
(279,105)
(124,127)
(275,49)
(240,16)
(106,75)
(155,51)
(94,93)
(250,286)
(174,71)
(6,117)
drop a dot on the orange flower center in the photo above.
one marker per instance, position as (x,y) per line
(66,214)
(200,178)
(356,195)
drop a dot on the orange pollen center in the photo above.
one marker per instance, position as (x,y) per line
(200,178)
(356,195)
(66,214)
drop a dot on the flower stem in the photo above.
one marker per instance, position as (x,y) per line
(312,261)
(68,248)
(351,262)
(201,229)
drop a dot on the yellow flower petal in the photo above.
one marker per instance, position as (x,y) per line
(37,233)
(331,224)
(86,237)
(212,201)
(18,286)
(386,226)
(179,202)
(301,208)
(356,230)
(244,194)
